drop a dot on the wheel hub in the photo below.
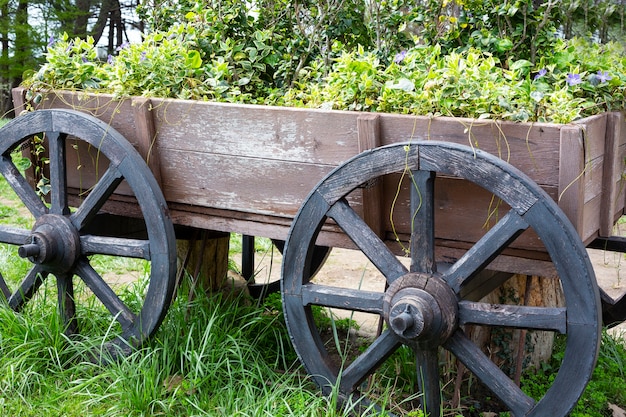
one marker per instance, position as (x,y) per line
(421,308)
(53,243)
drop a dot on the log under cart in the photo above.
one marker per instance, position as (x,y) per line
(469,203)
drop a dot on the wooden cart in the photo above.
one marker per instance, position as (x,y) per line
(460,198)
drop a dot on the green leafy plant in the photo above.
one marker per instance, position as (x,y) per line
(607,385)
(473,83)
(163,65)
(72,64)
(469,59)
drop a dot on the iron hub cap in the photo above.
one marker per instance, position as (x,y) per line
(54,244)
(421,308)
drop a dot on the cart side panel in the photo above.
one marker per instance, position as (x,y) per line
(247,168)
(620,164)
(273,133)
(604,145)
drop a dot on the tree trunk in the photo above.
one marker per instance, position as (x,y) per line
(103,18)
(82,18)
(22,54)
(5,103)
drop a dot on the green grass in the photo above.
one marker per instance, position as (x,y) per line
(212,357)
(607,385)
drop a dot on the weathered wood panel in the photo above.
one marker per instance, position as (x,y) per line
(239,183)
(368,127)
(247,168)
(532,148)
(275,133)
(571,170)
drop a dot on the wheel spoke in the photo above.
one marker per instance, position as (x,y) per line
(422,222)
(523,317)
(427,362)
(58,177)
(350,299)
(21,187)
(27,289)
(105,294)
(66,303)
(367,241)
(460,275)
(129,248)
(487,371)
(369,361)
(97,197)
(13,235)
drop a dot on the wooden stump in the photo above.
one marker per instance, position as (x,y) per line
(520,349)
(204,256)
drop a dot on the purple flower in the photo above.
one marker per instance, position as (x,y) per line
(84,58)
(603,76)
(541,73)
(399,57)
(122,46)
(110,59)
(573,79)
(51,41)
(143,56)
(69,46)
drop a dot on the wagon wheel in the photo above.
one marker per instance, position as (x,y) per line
(425,309)
(58,245)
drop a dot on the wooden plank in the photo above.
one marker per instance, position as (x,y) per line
(117,113)
(593,187)
(613,168)
(593,179)
(621,170)
(571,171)
(532,148)
(591,219)
(145,134)
(247,184)
(463,212)
(285,134)
(368,128)
(19,100)
(594,132)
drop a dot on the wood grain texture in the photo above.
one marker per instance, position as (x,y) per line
(146,135)
(368,127)
(612,194)
(571,180)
